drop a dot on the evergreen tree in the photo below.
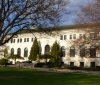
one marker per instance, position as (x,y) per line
(5,52)
(55,53)
(34,50)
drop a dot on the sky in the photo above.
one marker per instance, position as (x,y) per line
(73,7)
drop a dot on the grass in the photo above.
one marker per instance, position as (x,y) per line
(19,76)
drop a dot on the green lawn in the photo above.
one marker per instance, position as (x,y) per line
(18,76)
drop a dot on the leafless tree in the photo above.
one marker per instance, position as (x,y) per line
(16,15)
(88,20)
(89,13)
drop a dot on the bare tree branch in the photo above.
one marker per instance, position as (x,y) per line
(16,15)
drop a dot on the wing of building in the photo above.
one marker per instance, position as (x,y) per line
(67,38)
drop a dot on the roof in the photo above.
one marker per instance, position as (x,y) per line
(58,28)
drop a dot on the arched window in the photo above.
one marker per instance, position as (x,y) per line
(63,51)
(92,51)
(25,52)
(47,49)
(18,51)
(82,51)
(72,51)
(12,51)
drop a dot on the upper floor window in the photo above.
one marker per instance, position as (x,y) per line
(84,36)
(80,36)
(74,36)
(70,36)
(32,39)
(61,37)
(93,35)
(24,39)
(20,39)
(65,37)
(27,39)
(13,40)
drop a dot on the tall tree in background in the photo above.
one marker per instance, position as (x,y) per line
(88,20)
(55,53)
(89,13)
(16,15)
(34,50)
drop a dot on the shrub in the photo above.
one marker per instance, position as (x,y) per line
(3,61)
(74,67)
(97,66)
(27,62)
(39,64)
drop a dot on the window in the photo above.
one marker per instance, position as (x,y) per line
(47,49)
(93,35)
(13,40)
(70,36)
(82,51)
(18,51)
(31,39)
(80,36)
(20,39)
(65,37)
(81,64)
(72,51)
(61,37)
(84,36)
(92,51)
(71,63)
(24,39)
(63,51)
(27,39)
(92,64)
(74,36)
(12,51)
(25,52)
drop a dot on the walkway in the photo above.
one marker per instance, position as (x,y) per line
(70,71)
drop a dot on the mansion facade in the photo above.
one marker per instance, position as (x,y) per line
(70,54)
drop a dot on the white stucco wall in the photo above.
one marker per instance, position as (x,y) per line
(45,39)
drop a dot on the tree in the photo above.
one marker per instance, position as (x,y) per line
(46,57)
(34,50)
(16,15)
(89,21)
(5,52)
(15,57)
(55,53)
(3,61)
(89,13)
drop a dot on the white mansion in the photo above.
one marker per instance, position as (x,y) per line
(70,54)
